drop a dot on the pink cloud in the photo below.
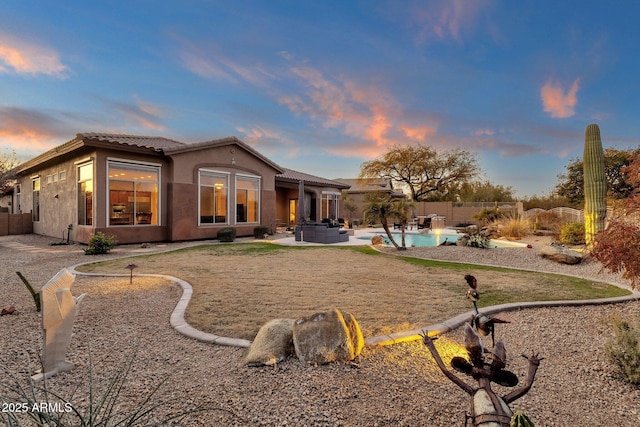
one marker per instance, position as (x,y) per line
(21,57)
(558,104)
(446,20)
(143,113)
(419,133)
(210,63)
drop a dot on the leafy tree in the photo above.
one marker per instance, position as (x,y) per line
(571,183)
(426,173)
(379,208)
(485,191)
(8,161)
(618,246)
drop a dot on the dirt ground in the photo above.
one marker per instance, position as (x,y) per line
(235,292)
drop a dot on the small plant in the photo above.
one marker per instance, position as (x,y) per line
(100,243)
(33,403)
(260,231)
(34,294)
(623,350)
(227,234)
(572,233)
(474,238)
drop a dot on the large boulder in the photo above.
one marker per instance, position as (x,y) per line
(272,344)
(560,254)
(327,337)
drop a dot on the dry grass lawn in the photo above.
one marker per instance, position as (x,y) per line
(237,288)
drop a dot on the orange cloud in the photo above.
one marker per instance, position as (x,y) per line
(144,113)
(21,57)
(418,134)
(558,104)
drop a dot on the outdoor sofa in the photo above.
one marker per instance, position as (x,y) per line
(323,233)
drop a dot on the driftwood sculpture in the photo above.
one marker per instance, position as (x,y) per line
(487,409)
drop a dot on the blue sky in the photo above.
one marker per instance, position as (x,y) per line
(322,86)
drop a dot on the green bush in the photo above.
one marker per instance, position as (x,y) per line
(623,350)
(100,243)
(572,233)
(260,231)
(488,215)
(227,234)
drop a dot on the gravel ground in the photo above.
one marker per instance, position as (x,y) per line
(396,385)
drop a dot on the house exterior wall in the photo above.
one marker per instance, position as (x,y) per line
(183,192)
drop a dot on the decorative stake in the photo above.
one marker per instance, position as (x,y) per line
(130,267)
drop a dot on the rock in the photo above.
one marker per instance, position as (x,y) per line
(560,254)
(6,311)
(377,240)
(327,337)
(272,344)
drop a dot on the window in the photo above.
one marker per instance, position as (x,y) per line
(247,199)
(134,197)
(18,199)
(330,205)
(62,175)
(214,197)
(49,179)
(85,194)
(35,213)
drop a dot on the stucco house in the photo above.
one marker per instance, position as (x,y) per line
(149,189)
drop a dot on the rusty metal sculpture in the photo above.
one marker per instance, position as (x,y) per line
(487,409)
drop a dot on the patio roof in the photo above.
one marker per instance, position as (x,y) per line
(294,177)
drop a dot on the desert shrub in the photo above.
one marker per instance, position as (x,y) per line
(618,249)
(100,243)
(33,403)
(227,234)
(474,238)
(259,231)
(488,215)
(514,227)
(572,233)
(623,350)
(548,221)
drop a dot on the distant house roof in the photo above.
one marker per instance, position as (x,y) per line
(368,185)
(291,176)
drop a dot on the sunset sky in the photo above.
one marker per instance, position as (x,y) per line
(322,86)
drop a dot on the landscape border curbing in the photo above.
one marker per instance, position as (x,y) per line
(181,326)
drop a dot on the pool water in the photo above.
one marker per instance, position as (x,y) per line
(435,239)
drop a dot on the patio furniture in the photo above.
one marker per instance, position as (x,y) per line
(323,233)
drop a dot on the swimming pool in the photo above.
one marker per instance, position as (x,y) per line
(436,239)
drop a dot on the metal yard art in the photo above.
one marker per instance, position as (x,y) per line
(486,366)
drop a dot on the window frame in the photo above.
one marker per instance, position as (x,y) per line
(35,198)
(258,191)
(79,181)
(213,174)
(140,166)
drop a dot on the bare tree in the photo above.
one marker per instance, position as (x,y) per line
(8,162)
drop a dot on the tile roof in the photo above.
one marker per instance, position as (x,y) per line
(154,142)
(294,176)
(365,185)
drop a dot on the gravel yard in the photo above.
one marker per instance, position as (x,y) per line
(396,385)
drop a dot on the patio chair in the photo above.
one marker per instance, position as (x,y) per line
(424,223)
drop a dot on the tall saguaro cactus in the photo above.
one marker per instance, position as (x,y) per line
(595,184)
